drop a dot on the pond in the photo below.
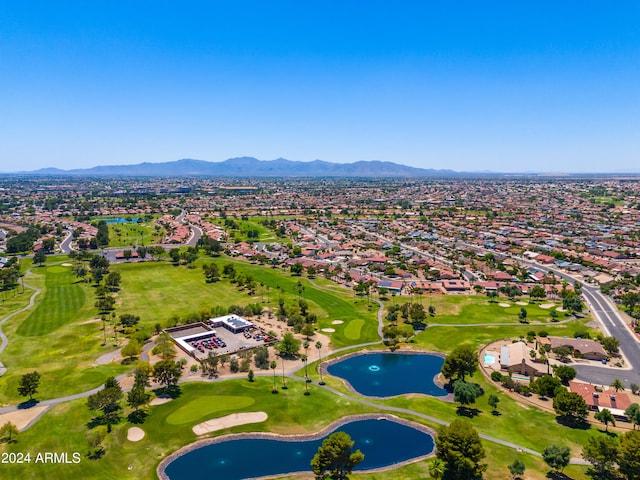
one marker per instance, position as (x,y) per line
(390,374)
(121,220)
(383,442)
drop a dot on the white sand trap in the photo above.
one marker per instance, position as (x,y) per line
(328,330)
(521,303)
(66,265)
(229,421)
(21,418)
(160,401)
(337,322)
(135,434)
(561,309)
(547,305)
(504,305)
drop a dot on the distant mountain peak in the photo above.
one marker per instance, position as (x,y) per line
(252,167)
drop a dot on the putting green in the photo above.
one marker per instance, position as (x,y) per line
(352,330)
(56,269)
(204,406)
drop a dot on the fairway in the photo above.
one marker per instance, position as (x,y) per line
(204,406)
(130,234)
(61,302)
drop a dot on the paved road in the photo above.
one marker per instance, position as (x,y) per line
(196,233)
(65,245)
(607,313)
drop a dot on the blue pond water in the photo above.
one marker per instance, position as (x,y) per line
(121,220)
(383,443)
(390,374)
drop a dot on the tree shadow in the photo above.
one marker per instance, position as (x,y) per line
(27,404)
(137,417)
(573,422)
(467,411)
(558,476)
(96,422)
(129,360)
(495,413)
(96,454)
(172,391)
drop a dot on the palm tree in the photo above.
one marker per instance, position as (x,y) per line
(437,469)
(303,357)
(284,382)
(617,385)
(319,346)
(273,365)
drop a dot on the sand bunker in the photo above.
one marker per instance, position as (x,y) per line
(521,303)
(21,418)
(337,322)
(229,421)
(547,305)
(160,401)
(67,264)
(135,434)
(505,305)
(328,330)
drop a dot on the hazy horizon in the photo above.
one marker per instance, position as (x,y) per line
(548,87)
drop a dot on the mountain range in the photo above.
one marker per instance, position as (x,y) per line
(251,167)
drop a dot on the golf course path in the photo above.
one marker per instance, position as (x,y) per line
(4,341)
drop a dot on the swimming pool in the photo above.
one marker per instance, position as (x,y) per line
(390,374)
(384,442)
(489,358)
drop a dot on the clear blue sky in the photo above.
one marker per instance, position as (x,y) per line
(503,86)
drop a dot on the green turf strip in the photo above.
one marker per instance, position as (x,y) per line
(60,304)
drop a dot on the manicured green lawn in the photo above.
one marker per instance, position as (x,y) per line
(59,344)
(130,234)
(472,309)
(63,429)
(157,291)
(61,304)
(204,406)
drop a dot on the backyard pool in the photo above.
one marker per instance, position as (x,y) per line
(489,359)
(390,374)
(383,442)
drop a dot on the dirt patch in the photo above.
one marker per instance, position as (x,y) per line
(22,418)
(93,320)
(229,421)
(135,434)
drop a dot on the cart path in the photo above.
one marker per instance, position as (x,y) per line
(4,341)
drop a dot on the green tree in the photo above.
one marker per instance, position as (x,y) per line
(602,453)
(8,431)
(605,416)
(296,269)
(633,414)
(335,458)
(164,346)
(458,446)
(131,349)
(39,257)
(611,345)
(517,468)
(462,361)
(211,272)
(466,393)
(629,455)
(107,401)
(437,469)
(557,457)
(319,348)
(167,373)
(546,386)
(564,373)
(288,346)
(493,401)
(273,365)
(29,384)
(570,405)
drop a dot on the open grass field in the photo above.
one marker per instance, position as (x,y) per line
(61,304)
(55,339)
(241,233)
(157,291)
(473,309)
(64,429)
(130,234)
